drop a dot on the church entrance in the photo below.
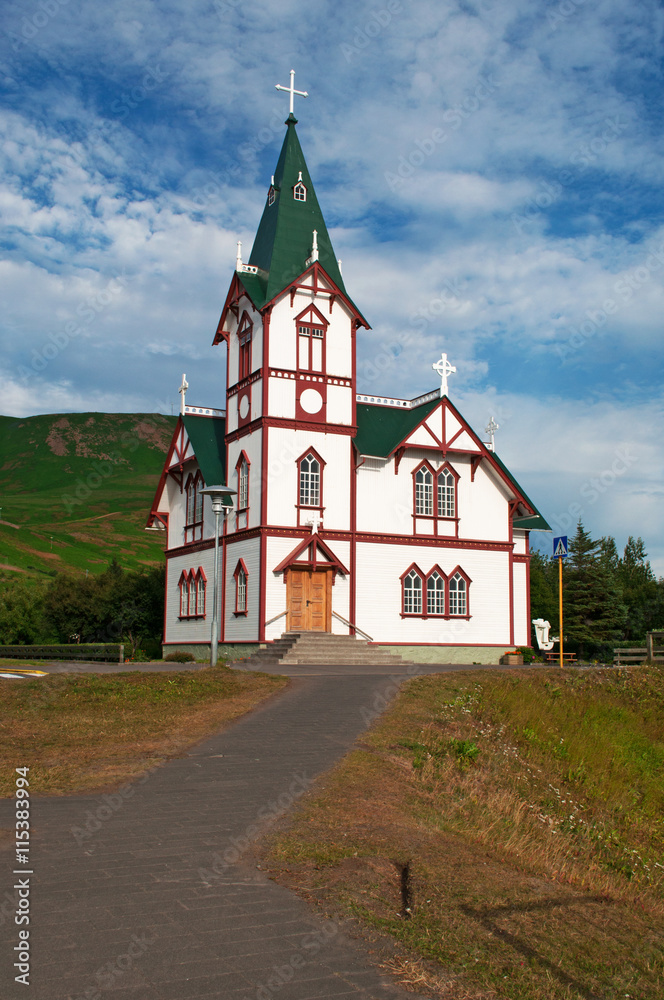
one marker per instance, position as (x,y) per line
(309,599)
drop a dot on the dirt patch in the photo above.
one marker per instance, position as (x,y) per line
(56,440)
(152,433)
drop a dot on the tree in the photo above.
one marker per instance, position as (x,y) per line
(642,593)
(594,610)
(116,606)
(544,588)
(22,613)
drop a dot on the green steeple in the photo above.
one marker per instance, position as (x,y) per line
(284,239)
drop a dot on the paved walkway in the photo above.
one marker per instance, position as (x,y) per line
(148,895)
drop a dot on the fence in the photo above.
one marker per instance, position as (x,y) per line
(80,651)
(652,652)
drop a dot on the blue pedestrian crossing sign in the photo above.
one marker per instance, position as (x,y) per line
(560,546)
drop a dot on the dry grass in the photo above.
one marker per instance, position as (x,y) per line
(79,732)
(506,830)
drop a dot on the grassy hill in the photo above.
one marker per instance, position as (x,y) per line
(76,489)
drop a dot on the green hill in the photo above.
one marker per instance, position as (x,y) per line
(76,489)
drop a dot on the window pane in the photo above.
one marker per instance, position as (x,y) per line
(309,482)
(435,595)
(446,498)
(458,603)
(424,492)
(316,355)
(412,594)
(241,590)
(304,352)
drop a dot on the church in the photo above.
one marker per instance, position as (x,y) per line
(367,515)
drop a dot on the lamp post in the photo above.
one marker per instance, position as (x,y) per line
(217,495)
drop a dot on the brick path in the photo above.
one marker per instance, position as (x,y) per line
(123,909)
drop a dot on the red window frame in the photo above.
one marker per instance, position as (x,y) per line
(427,467)
(188,585)
(412,569)
(313,321)
(447,468)
(244,336)
(193,521)
(321,467)
(241,570)
(429,576)
(457,571)
(242,459)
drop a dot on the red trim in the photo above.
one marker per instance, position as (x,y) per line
(321,463)
(416,569)
(425,600)
(315,269)
(194,527)
(262,591)
(343,429)
(164,473)
(241,567)
(474,465)
(462,573)
(313,542)
(352,597)
(441,541)
(267,315)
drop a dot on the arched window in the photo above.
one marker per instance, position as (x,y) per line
(241,577)
(446,493)
(244,332)
(424,491)
(435,594)
(300,192)
(200,593)
(192,593)
(412,592)
(243,484)
(310,340)
(458,588)
(193,530)
(309,481)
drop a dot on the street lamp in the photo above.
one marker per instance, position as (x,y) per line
(221,502)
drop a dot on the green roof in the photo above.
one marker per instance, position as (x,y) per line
(284,239)
(207,436)
(381,428)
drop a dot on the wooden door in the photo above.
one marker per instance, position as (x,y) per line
(309,597)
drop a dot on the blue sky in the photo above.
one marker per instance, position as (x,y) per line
(490,173)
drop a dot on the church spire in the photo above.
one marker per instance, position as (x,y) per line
(283,243)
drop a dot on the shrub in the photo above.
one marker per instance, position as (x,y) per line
(179,657)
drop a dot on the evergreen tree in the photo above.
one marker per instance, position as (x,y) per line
(593,607)
(642,593)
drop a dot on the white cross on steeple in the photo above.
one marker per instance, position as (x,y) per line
(491,429)
(183,392)
(444,368)
(291,90)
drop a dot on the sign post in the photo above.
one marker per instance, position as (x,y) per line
(560,550)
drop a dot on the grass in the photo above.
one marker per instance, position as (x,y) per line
(79,732)
(506,830)
(76,491)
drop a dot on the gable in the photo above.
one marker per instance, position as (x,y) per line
(198,438)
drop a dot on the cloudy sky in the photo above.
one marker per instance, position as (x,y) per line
(491,176)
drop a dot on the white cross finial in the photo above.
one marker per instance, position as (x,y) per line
(314,247)
(491,429)
(183,392)
(291,90)
(444,368)
(238,258)
(315,521)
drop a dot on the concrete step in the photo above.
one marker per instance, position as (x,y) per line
(324,649)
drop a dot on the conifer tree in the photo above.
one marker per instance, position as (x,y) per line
(594,610)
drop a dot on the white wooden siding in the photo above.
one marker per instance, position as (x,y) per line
(188,629)
(281,397)
(243,627)
(521,623)
(251,445)
(378,589)
(339,404)
(285,446)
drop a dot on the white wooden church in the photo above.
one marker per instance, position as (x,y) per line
(390,516)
